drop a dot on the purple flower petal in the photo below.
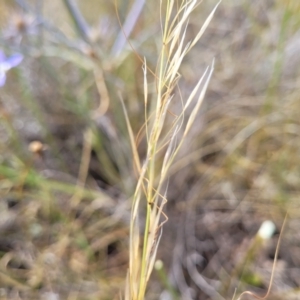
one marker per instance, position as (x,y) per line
(2,57)
(14,60)
(2,78)
(8,63)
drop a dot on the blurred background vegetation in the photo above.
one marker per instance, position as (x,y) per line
(66,174)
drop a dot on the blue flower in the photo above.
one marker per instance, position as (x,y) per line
(6,63)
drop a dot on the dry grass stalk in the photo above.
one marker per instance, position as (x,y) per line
(150,185)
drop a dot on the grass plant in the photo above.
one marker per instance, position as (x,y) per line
(152,183)
(103,122)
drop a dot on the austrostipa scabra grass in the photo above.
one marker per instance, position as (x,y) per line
(153,169)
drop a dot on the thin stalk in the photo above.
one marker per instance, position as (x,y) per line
(78,19)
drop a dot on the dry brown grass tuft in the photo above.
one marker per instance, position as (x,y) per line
(152,183)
